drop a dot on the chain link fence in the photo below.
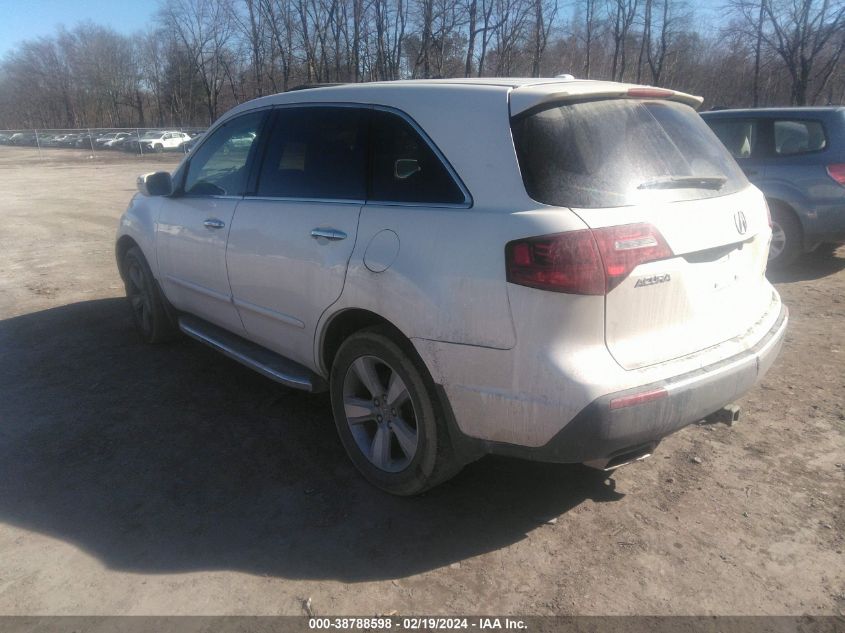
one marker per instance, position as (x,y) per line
(138,141)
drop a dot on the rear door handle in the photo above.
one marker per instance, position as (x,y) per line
(214,223)
(329,234)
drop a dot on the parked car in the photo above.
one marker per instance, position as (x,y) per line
(4,138)
(69,140)
(62,140)
(22,138)
(458,284)
(109,140)
(123,142)
(796,156)
(53,140)
(158,141)
(85,141)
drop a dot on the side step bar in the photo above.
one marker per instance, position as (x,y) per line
(265,362)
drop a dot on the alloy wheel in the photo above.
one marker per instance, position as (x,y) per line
(380,414)
(778,241)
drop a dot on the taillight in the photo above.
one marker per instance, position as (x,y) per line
(564,262)
(837,172)
(625,247)
(587,262)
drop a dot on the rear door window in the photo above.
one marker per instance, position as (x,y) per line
(619,152)
(405,168)
(798,137)
(316,152)
(739,136)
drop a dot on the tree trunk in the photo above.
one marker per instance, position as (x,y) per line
(757,48)
(473,9)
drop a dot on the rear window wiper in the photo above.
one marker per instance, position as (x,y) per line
(683,182)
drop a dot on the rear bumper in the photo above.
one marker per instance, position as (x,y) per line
(599,433)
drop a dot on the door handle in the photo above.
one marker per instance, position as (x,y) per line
(329,234)
(214,223)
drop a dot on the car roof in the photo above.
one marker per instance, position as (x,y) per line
(523,93)
(793,111)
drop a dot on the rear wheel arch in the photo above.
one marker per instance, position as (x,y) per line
(785,215)
(786,207)
(440,452)
(347,322)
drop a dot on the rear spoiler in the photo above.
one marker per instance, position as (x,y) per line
(532,96)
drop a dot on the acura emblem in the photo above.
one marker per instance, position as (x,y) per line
(740,222)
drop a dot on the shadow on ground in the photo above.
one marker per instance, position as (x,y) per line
(821,263)
(173,458)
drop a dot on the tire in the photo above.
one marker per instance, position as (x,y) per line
(158,149)
(399,443)
(148,307)
(787,238)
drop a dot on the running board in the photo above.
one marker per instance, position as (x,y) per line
(260,359)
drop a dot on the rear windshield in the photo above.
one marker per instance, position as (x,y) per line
(621,152)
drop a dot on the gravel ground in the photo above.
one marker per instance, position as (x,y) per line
(170,480)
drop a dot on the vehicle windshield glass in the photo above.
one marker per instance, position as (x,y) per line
(620,152)
(152,135)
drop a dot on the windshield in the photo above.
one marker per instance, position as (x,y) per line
(152,135)
(620,152)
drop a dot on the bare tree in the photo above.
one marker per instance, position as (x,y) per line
(659,20)
(279,20)
(807,36)
(544,17)
(589,31)
(207,55)
(204,27)
(624,12)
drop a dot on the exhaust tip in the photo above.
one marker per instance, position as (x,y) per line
(628,456)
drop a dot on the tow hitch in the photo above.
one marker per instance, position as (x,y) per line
(728,415)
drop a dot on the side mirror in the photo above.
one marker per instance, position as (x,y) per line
(404,168)
(156,184)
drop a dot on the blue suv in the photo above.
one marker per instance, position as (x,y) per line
(796,157)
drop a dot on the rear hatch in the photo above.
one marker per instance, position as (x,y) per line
(682,234)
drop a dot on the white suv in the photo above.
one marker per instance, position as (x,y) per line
(160,141)
(561,270)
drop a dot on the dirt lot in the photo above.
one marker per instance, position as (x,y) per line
(170,480)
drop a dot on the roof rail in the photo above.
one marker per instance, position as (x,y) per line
(310,86)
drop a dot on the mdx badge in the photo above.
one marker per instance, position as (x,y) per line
(740,222)
(654,279)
